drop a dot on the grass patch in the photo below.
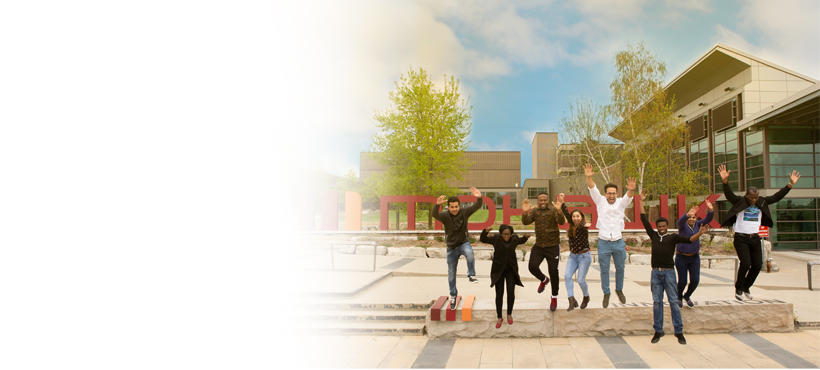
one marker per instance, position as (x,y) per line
(421,237)
(439,239)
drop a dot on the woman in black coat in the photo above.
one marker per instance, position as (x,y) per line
(505,267)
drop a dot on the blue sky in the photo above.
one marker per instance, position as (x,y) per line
(521,63)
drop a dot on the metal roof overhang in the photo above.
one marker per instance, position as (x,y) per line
(707,73)
(804,102)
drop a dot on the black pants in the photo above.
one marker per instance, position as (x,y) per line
(509,276)
(751,260)
(537,256)
(687,266)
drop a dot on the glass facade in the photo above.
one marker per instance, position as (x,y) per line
(699,157)
(498,198)
(725,149)
(532,193)
(796,223)
(794,148)
(754,160)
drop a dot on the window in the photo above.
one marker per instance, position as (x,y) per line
(725,144)
(699,158)
(795,223)
(532,193)
(794,148)
(754,159)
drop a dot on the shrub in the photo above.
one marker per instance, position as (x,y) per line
(439,238)
(420,237)
(472,240)
(728,246)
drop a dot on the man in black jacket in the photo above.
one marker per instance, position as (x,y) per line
(746,215)
(457,237)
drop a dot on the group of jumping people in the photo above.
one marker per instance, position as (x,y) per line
(670,252)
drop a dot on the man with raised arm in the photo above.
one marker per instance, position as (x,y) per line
(546,241)
(663,271)
(746,215)
(457,238)
(610,225)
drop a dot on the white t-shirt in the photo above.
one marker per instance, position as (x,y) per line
(748,221)
(610,222)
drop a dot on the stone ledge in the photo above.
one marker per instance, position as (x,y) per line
(534,320)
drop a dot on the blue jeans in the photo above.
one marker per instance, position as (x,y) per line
(580,262)
(616,250)
(665,281)
(465,249)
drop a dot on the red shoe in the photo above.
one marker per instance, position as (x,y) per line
(543,285)
(498,326)
(509,320)
(554,304)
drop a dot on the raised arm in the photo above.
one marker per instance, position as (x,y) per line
(439,201)
(588,172)
(597,198)
(565,211)
(727,191)
(709,215)
(559,205)
(475,207)
(526,217)
(776,197)
(631,184)
(485,236)
(646,225)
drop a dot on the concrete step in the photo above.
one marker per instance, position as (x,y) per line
(400,316)
(365,328)
(338,306)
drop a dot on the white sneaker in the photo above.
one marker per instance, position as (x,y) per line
(452,303)
(748,295)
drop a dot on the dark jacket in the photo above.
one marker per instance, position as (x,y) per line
(546,225)
(455,226)
(503,255)
(739,204)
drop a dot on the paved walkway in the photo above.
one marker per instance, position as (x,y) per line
(421,280)
(763,350)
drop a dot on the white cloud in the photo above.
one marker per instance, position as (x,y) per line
(527,135)
(700,5)
(788,33)
(497,147)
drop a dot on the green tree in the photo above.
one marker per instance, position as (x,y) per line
(585,133)
(423,137)
(652,136)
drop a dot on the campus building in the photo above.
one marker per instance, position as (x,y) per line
(496,174)
(761,120)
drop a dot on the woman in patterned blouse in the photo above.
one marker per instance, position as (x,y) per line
(580,257)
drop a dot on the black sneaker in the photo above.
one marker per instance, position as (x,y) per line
(748,295)
(452,303)
(473,279)
(657,337)
(680,337)
(680,303)
(690,303)
(738,295)
(605,303)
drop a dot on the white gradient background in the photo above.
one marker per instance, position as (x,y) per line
(145,148)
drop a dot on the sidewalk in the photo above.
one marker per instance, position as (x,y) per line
(422,280)
(762,350)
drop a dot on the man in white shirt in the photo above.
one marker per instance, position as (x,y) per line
(746,215)
(610,226)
